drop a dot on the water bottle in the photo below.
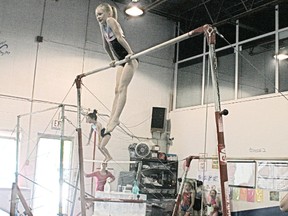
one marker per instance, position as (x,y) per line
(119,188)
(107,187)
(135,188)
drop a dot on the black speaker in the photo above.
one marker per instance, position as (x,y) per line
(158,119)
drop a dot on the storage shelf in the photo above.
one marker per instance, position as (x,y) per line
(163,172)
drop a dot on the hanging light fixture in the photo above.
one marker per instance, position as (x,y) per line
(134,9)
(281,56)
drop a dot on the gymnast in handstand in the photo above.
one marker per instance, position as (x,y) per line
(117,48)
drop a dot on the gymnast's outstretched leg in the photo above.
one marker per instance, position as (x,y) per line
(102,146)
(123,78)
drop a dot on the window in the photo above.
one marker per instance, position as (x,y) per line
(252,65)
(283,18)
(257,67)
(189,79)
(251,27)
(7,157)
(283,64)
(191,47)
(226,77)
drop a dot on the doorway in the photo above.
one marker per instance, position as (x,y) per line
(47,174)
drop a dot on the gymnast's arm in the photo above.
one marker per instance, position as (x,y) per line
(115,26)
(88,175)
(192,201)
(284,203)
(112,177)
(90,135)
(98,129)
(107,47)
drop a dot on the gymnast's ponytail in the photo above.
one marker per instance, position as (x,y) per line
(114,12)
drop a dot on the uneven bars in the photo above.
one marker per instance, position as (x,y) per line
(119,200)
(97,161)
(40,111)
(197,31)
(241,158)
(180,38)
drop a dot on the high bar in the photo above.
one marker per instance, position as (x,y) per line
(180,38)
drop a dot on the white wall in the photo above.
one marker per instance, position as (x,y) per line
(253,128)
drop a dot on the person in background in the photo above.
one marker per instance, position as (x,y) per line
(187,199)
(101,177)
(117,48)
(199,199)
(95,126)
(213,203)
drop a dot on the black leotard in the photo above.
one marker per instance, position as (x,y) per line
(118,50)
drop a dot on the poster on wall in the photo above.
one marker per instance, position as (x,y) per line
(211,179)
(242,173)
(273,175)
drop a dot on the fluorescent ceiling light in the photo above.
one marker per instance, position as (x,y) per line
(281,56)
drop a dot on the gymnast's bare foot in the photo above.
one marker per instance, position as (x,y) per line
(112,124)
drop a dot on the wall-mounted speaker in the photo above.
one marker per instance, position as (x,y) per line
(39,39)
(158,119)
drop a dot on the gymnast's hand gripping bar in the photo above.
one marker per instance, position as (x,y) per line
(203,29)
